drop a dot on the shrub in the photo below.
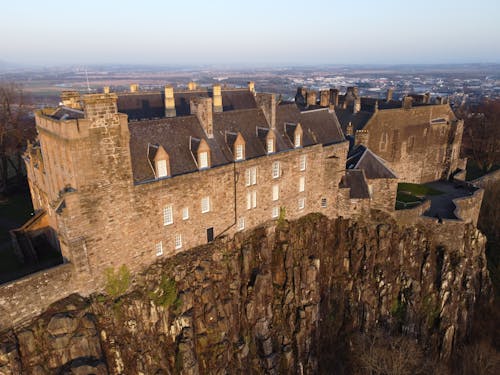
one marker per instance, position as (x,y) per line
(166,294)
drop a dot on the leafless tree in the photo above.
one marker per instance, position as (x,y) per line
(15,128)
(481,138)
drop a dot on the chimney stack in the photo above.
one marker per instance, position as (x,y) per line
(407,100)
(251,87)
(192,86)
(105,89)
(217,97)
(267,102)
(361,137)
(311,98)
(357,105)
(134,87)
(389,95)
(71,99)
(350,129)
(169,102)
(202,108)
(334,97)
(324,98)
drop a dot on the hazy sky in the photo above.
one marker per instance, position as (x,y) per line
(249,31)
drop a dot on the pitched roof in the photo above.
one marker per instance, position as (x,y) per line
(358,120)
(361,157)
(356,181)
(142,105)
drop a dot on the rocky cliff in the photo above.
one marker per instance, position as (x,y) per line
(279,299)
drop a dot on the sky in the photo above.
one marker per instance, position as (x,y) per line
(246,32)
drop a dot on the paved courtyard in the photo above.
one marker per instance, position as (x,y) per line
(442,205)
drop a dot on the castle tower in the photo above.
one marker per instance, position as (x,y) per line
(169,102)
(217,98)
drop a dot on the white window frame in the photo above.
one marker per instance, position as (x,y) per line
(251,199)
(302,184)
(303,162)
(323,202)
(297,142)
(251,176)
(161,168)
(276,212)
(178,241)
(276,169)
(185,213)
(168,215)
(276,192)
(270,146)
(301,203)
(203,159)
(241,223)
(159,249)
(239,152)
(205,205)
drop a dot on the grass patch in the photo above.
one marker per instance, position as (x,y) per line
(417,189)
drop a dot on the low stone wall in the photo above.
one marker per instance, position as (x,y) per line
(25,298)
(487,179)
(468,207)
(409,215)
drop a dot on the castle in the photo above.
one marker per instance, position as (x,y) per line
(125,178)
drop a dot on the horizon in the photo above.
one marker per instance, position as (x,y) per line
(259,33)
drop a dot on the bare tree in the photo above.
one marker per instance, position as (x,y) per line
(481,139)
(15,128)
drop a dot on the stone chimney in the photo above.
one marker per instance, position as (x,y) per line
(407,100)
(349,129)
(105,89)
(427,98)
(100,106)
(334,97)
(361,137)
(169,102)
(357,105)
(192,86)
(375,107)
(71,99)
(388,98)
(134,87)
(324,98)
(251,87)
(311,98)
(267,102)
(217,97)
(202,108)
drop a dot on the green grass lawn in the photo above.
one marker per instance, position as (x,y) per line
(405,200)
(417,189)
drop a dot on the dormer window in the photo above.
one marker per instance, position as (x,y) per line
(160,161)
(238,146)
(239,152)
(297,136)
(270,142)
(161,168)
(297,140)
(270,146)
(203,160)
(201,152)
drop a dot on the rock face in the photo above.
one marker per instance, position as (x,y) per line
(275,300)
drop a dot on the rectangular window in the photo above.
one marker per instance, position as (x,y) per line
(323,202)
(168,216)
(205,205)
(302,184)
(178,241)
(161,168)
(251,176)
(185,213)
(302,203)
(251,200)
(276,212)
(270,146)
(203,160)
(303,162)
(239,152)
(276,169)
(276,192)
(159,249)
(241,223)
(297,140)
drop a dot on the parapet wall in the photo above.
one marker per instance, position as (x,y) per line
(409,215)
(25,298)
(467,208)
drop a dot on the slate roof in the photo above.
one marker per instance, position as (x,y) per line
(356,181)
(142,105)
(67,113)
(361,157)
(358,120)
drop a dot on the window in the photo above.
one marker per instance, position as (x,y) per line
(239,152)
(302,203)
(159,249)
(205,205)
(276,211)
(276,169)
(270,145)
(323,202)
(251,200)
(161,168)
(168,217)
(185,213)
(303,162)
(302,184)
(276,192)
(251,176)
(241,223)
(178,241)
(203,160)
(297,140)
